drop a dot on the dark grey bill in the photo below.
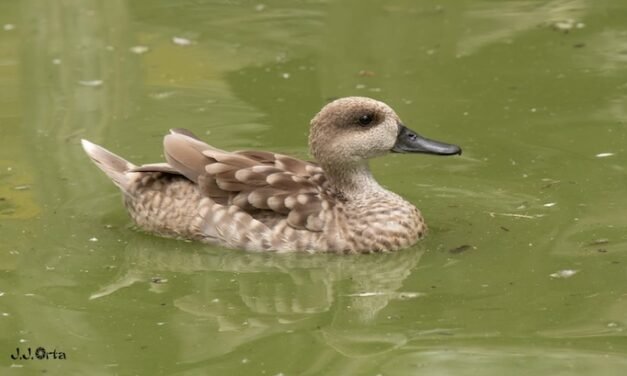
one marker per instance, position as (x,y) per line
(409,141)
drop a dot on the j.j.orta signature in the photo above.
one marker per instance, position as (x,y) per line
(39,353)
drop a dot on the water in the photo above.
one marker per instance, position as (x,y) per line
(523,271)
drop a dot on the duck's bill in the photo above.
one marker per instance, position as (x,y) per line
(409,141)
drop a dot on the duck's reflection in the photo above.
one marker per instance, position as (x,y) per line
(244,297)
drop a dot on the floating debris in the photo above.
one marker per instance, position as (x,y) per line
(180,41)
(260,7)
(398,295)
(56,61)
(8,27)
(566,273)
(91,83)
(158,280)
(366,73)
(162,95)
(604,155)
(549,204)
(139,49)
(599,241)
(93,239)
(493,214)
(285,75)
(567,25)
(1,293)
(409,295)
(24,187)
(460,249)
(367,294)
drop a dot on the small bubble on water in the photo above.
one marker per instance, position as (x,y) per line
(180,41)
(162,95)
(91,83)
(604,155)
(566,273)
(139,49)
(564,25)
(285,75)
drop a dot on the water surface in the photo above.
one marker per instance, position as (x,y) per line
(523,271)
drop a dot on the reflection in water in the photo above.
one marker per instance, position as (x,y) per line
(504,360)
(76,76)
(250,296)
(501,22)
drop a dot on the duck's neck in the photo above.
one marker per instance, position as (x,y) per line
(352,179)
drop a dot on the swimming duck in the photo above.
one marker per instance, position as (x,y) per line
(264,201)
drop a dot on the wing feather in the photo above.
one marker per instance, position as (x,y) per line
(252,181)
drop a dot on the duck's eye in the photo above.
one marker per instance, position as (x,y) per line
(366,119)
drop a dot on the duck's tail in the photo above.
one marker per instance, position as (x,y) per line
(116,167)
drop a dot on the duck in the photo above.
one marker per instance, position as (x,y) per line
(266,201)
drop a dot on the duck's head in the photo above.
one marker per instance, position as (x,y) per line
(355,129)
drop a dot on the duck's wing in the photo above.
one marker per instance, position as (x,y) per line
(253,180)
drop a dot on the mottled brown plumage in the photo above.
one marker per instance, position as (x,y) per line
(261,201)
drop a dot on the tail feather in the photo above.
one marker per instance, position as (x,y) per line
(116,167)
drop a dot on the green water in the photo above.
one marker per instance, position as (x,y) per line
(534,91)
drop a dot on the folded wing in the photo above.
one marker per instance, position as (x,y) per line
(253,180)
